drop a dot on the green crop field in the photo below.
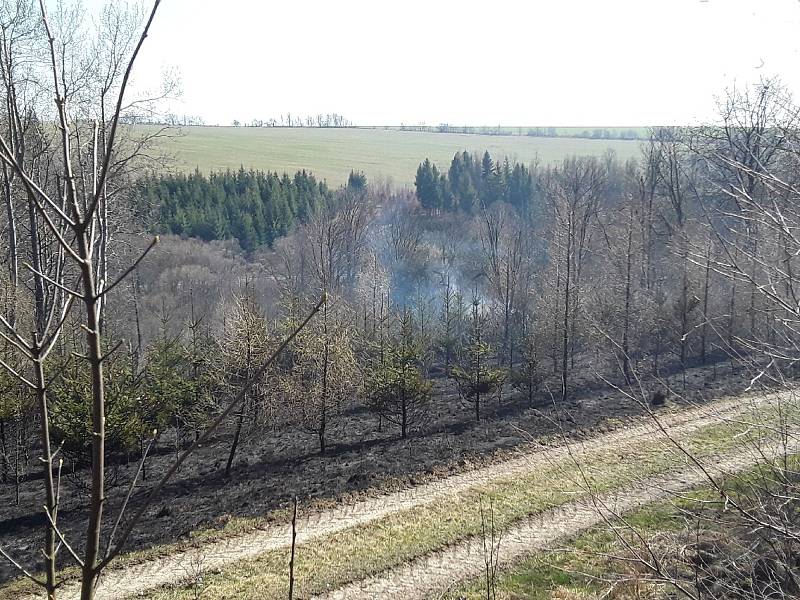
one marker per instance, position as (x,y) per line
(380,153)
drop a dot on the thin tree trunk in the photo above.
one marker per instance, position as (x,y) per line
(13,256)
(732,309)
(95,354)
(704,330)
(507,312)
(323,412)
(294,546)
(684,316)
(4,449)
(18,439)
(626,363)
(321,431)
(240,422)
(565,338)
(235,443)
(404,416)
(40,315)
(753,285)
(47,466)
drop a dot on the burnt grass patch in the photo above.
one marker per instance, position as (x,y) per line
(274,464)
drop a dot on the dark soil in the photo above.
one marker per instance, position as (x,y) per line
(272,466)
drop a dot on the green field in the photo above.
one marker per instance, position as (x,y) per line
(380,153)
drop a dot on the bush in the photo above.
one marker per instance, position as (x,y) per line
(71,419)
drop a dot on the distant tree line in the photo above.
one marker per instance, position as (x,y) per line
(168,120)
(290,120)
(594,133)
(472,183)
(253,207)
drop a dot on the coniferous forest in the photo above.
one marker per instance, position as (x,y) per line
(253,207)
(472,183)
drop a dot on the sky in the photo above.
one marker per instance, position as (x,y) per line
(509,62)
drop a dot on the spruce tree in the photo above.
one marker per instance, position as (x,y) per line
(395,384)
(476,380)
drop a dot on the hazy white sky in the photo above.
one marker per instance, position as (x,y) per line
(535,62)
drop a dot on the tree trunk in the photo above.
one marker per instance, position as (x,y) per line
(626,363)
(403,408)
(324,398)
(732,309)
(240,421)
(235,442)
(13,256)
(47,466)
(4,450)
(704,330)
(507,313)
(17,471)
(565,334)
(95,353)
(40,314)
(321,433)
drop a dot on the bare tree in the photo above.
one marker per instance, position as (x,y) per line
(574,193)
(336,239)
(504,256)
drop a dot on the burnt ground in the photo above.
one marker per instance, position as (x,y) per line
(272,466)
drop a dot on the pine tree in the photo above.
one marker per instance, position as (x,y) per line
(357,181)
(320,373)
(429,186)
(254,207)
(528,375)
(476,380)
(396,387)
(450,320)
(245,343)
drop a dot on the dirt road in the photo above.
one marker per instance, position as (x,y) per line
(437,573)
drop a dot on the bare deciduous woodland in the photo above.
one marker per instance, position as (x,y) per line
(191,359)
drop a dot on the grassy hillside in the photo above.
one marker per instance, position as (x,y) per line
(332,153)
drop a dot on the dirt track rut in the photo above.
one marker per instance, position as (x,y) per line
(435,574)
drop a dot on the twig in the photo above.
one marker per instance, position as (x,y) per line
(294,546)
(61,537)
(60,286)
(130,491)
(16,375)
(101,180)
(129,270)
(21,569)
(108,354)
